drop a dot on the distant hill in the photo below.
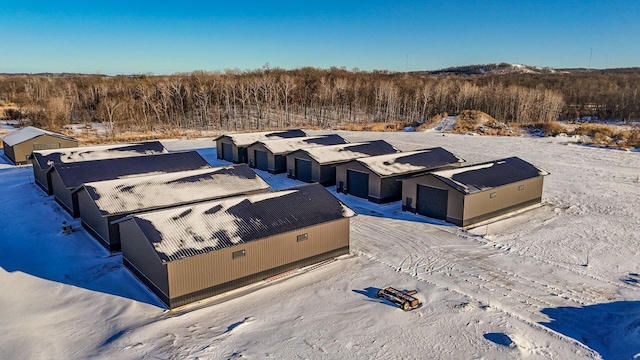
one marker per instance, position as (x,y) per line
(505,69)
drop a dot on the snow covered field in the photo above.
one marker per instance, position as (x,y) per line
(558,281)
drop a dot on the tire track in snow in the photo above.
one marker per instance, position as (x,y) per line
(471,266)
(474,295)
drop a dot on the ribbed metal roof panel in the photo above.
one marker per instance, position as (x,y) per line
(132,195)
(78,173)
(178,233)
(488,175)
(28,133)
(410,161)
(46,158)
(346,152)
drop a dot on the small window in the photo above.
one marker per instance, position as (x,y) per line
(492,195)
(521,187)
(408,201)
(302,237)
(238,254)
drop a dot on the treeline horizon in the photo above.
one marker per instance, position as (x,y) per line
(309,97)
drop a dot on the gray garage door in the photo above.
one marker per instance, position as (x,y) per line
(281,163)
(303,170)
(227,152)
(262,161)
(432,202)
(358,183)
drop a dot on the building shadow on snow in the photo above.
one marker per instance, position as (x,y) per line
(32,242)
(611,329)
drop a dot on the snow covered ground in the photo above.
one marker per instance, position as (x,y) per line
(558,281)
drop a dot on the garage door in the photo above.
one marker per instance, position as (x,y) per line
(227,152)
(262,161)
(242,155)
(432,202)
(281,163)
(303,170)
(358,183)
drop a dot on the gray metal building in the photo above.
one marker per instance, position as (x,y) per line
(65,178)
(190,253)
(233,147)
(377,178)
(43,159)
(318,164)
(271,155)
(470,194)
(19,144)
(102,202)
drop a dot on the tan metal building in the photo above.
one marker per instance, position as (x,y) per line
(233,147)
(43,159)
(18,145)
(271,155)
(470,194)
(65,178)
(377,178)
(318,164)
(102,202)
(190,253)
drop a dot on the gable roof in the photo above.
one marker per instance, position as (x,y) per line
(325,155)
(285,146)
(78,173)
(489,175)
(28,133)
(131,195)
(409,162)
(178,233)
(246,139)
(46,158)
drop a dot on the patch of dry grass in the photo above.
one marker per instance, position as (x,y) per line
(434,119)
(476,121)
(379,127)
(552,128)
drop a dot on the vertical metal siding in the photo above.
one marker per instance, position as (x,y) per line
(22,150)
(137,250)
(92,217)
(207,270)
(507,196)
(60,192)
(40,177)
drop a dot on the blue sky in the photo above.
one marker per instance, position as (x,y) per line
(165,37)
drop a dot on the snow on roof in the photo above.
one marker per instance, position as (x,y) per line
(46,158)
(485,176)
(186,231)
(246,139)
(28,133)
(346,152)
(78,173)
(284,146)
(410,161)
(126,196)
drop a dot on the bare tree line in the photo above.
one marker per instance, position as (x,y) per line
(273,99)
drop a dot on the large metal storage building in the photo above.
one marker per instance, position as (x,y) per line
(43,159)
(271,155)
(190,253)
(470,194)
(65,178)
(19,144)
(102,202)
(318,164)
(233,147)
(377,178)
